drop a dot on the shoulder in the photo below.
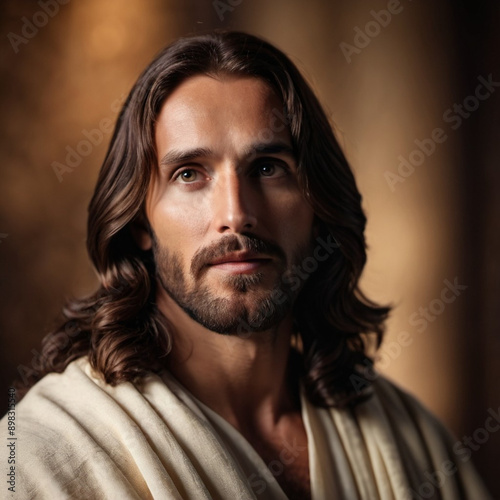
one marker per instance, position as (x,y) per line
(409,420)
(76,401)
(61,397)
(398,402)
(68,428)
(423,438)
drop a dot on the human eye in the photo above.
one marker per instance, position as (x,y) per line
(187,176)
(271,167)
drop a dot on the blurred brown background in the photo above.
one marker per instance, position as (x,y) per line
(386,80)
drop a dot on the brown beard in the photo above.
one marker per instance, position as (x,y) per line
(229,316)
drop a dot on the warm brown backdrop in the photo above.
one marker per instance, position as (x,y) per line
(440,223)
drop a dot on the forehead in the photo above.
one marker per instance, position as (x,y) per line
(226,108)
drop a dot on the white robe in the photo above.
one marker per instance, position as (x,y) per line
(80,438)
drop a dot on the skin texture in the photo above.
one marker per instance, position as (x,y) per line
(226,186)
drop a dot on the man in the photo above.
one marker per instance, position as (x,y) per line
(222,355)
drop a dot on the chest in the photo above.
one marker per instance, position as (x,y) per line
(288,462)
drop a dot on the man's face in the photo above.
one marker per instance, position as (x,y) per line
(228,219)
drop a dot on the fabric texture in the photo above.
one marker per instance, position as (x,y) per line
(80,438)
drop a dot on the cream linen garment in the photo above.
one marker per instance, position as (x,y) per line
(80,438)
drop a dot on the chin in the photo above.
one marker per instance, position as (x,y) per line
(243,282)
(241,316)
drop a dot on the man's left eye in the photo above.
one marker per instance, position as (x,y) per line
(271,169)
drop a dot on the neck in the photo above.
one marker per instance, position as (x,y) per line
(245,380)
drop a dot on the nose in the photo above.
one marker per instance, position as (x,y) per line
(235,205)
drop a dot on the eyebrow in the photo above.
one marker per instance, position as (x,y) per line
(175,156)
(269,148)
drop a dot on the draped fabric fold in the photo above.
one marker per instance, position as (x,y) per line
(80,438)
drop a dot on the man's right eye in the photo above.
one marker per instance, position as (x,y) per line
(187,175)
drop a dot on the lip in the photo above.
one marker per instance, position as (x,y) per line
(243,262)
(239,257)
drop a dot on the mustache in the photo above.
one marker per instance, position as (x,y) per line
(232,243)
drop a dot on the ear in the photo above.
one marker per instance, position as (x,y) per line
(141,232)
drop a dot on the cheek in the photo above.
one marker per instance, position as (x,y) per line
(295,210)
(294,219)
(178,227)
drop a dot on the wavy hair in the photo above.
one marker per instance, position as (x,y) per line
(120,328)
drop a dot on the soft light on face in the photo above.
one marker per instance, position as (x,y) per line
(228,217)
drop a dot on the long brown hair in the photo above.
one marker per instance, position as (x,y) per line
(119,326)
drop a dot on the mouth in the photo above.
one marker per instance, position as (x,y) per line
(240,263)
